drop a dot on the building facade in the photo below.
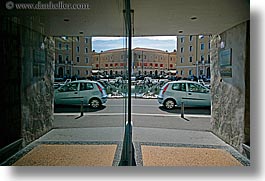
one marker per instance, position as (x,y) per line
(145,62)
(153,62)
(193,56)
(73,56)
(110,62)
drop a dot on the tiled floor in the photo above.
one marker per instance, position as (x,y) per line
(180,156)
(69,155)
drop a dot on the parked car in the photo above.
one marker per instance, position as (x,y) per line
(92,93)
(192,94)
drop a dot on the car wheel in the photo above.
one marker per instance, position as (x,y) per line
(169,103)
(95,103)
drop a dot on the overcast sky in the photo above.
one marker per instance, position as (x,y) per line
(159,42)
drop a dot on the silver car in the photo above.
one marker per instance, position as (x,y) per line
(91,93)
(192,94)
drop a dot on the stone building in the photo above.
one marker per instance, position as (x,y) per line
(153,62)
(145,62)
(193,55)
(73,56)
(111,62)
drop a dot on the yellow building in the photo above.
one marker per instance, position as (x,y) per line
(110,62)
(145,61)
(73,56)
(193,56)
(153,62)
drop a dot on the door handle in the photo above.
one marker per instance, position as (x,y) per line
(189,93)
(75,93)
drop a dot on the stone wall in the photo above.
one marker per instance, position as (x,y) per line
(230,102)
(37,60)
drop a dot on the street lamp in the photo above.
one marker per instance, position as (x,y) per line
(142,62)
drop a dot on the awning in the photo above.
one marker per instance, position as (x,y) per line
(95,71)
(172,71)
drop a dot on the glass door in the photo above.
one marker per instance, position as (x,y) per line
(127,158)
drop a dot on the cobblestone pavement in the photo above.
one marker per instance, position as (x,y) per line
(103,147)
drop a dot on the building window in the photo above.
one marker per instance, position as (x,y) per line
(78,59)
(177,72)
(77,39)
(60,57)
(190,48)
(181,72)
(78,72)
(87,59)
(122,57)
(86,72)
(86,40)
(161,65)
(171,65)
(67,47)
(209,45)
(190,72)
(182,60)
(86,50)
(190,59)
(106,65)
(182,39)
(77,49)
(202,46)
(60,46)
(209,58)
(182,49)
(191,38)
(145,57)
(67,58)
(202,57)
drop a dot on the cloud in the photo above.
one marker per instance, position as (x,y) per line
(106,38)
(160,37)
(161,43)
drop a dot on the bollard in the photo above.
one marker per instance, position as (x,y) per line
(182,109)
(81,108)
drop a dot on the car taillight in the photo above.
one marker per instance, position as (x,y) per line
(100,89)
(165,88)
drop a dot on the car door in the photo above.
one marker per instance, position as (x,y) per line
(68,94)
(180,92)
(86,91)
(197,95)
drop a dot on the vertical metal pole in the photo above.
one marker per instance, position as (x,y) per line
(196,56)
(72,62)
(142,62)
(128,13)
(127,153)
(82,108)
(182,109)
